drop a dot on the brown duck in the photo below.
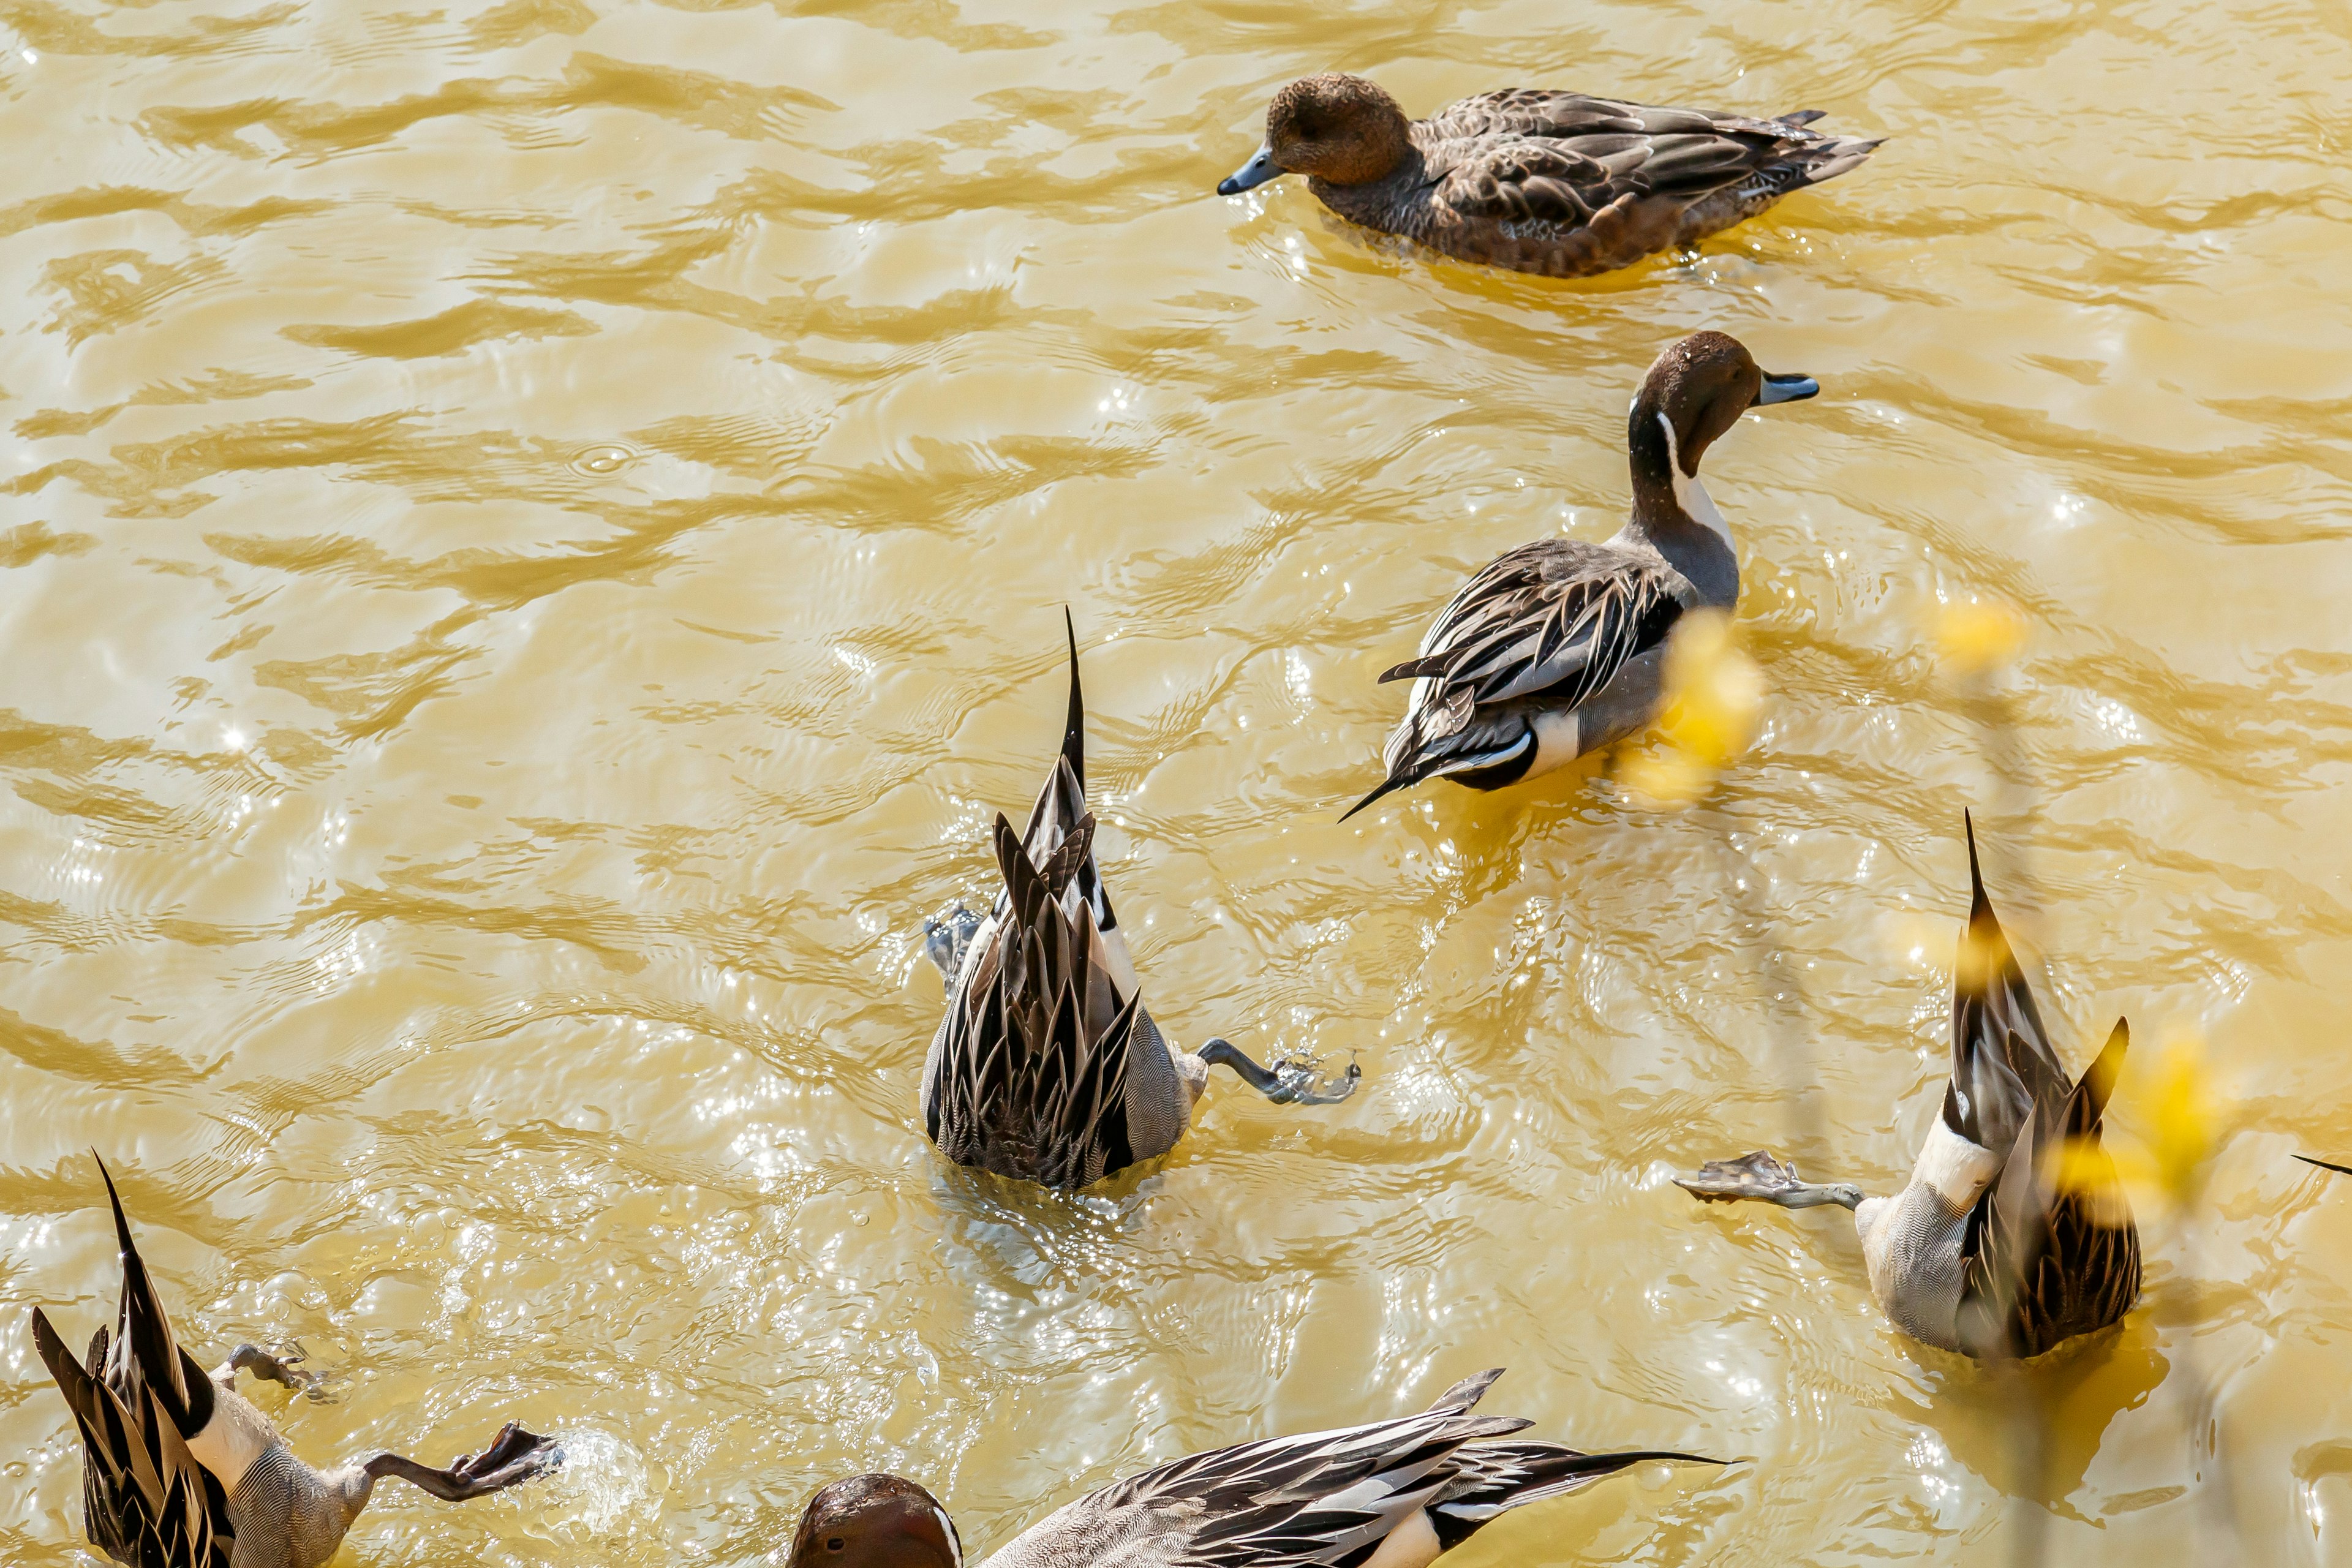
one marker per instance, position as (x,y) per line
(1554,183)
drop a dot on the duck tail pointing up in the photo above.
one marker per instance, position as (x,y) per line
(1074,733)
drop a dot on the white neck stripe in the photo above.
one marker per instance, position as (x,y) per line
(1689,494)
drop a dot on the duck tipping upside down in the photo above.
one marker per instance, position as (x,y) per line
(1046,1067)
(179,1470)
(1558,647)
(1387,1494)
(1986,1251)
(1552,182)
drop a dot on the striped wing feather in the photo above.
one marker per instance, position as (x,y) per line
(1322,1499)
(146,1500)
(1560,157)
(1554,620)
(1032,1076)
(2042,1260)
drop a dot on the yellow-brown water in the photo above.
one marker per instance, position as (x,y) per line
(537,545)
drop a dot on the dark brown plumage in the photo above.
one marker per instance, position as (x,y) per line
(1560,184)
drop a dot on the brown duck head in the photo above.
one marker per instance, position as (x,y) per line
(1695,392)
(875,1521)
(1338,128)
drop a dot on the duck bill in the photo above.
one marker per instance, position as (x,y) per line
(1787,389)
(1251,175)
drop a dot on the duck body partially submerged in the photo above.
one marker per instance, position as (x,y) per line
(1558,649)
(1046,1067)
(1387,1494)
(1989,1248)
(180,1470)
(1561,184)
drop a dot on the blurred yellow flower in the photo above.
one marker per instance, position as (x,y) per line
(1714,697)
(2184,1113)
(1979,636)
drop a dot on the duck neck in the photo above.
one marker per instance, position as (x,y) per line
(1386,202)
(1674,515)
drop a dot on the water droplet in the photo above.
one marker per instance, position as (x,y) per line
(602,462)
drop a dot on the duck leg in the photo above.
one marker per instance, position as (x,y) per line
(1290,1081)
(1767,1180)
(945,939)
(514,1458)
(272,1369)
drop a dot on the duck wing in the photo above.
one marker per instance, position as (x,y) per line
(1561,157)
(146,1500)
(1551,622)
(1028,1073)
(1318,1499)
(2044,1259)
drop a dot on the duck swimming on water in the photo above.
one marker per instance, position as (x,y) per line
(1554,183)
(1389,1494)
(1046,1067)
(179,1470)
(1558,649)
(1985,1251)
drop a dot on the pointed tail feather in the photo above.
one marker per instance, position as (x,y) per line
(1468,1392)
(1496,1477)
(1389,785)
(144,1333)
(1074,732)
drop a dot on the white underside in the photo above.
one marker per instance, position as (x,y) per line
(236,1436)
(1958,1169)
(1557,741)
(1412,1544)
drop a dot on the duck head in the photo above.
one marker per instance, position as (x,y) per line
(1695,391)
(1335,127)
(875,1521)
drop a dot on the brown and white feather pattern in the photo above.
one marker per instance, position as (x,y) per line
(2040,1261)
(1414,1487)
(1567,185)
(146,1500)
(1548,624)
(1986,1251)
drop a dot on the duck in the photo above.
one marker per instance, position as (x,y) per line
(1558,649)
(1559,183)
(1046,1067)
(180,1470)
(1984,1251)
(1386,1494)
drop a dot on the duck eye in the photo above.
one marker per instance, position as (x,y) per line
(835,1545)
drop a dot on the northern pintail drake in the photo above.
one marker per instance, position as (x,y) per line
(179,1470)
(1558,649)
(1387,1494)
(1555,183)
(1046,1067)
(1986,1251)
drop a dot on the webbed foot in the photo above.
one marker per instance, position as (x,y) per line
(1766,1179)
(1294,1079)
(946,937)
(285,1369)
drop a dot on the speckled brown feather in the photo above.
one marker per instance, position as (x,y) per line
(1566,184)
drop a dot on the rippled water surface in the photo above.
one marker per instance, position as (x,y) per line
(535,542)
